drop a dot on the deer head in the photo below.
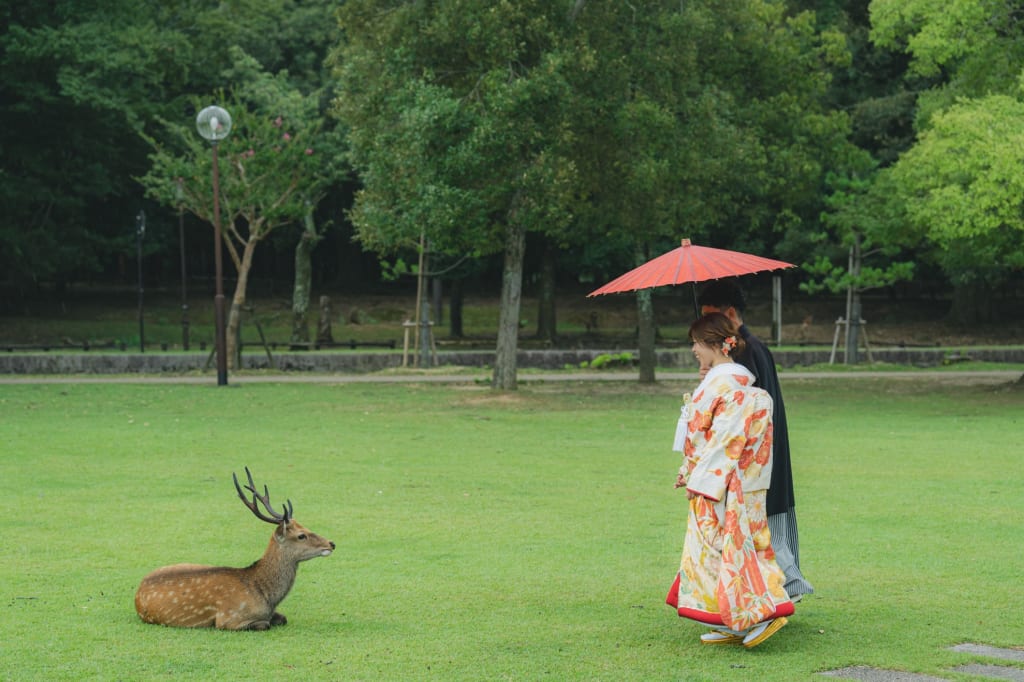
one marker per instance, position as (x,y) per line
(302,543)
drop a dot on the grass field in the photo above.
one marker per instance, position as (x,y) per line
(486,536)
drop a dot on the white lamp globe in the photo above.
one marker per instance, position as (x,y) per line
(213,123)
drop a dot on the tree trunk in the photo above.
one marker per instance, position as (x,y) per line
(421,294)
(853,331)
(455,299)
(426,351)
(323,328)
(234,326)
(511,301)
(302,288)
(972,303)
(546,323)
(437,299)
(645,335)
(424,318)
(853,309)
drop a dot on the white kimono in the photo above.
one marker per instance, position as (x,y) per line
(728,574)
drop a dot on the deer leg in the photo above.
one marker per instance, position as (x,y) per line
(278,619)
(237,623)
(258,625)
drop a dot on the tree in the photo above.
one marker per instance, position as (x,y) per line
(974,54)
(275,164)
(457,117)
(962,189)
(79,81)
(303,285)
(856,222)
(970,48)
(874,87)
(82,82)
(618,122)
(850,249)
(666,119)
(712,127)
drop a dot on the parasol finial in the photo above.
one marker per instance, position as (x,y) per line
(686,242)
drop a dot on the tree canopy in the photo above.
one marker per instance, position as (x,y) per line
(963,189)
(84,81)
(473,125)
(604,130)
(959,185)
(460,116)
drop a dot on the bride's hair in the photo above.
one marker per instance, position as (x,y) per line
(718,331)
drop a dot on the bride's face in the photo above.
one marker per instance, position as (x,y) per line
(706,355)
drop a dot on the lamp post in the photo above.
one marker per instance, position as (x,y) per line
(214,124)
(140,231)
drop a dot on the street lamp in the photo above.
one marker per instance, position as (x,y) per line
(140,232)
(214,124)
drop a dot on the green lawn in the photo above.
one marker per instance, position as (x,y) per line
(486,536)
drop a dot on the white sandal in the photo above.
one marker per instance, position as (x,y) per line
(762,631)
(719,637)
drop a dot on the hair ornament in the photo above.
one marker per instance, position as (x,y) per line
(728,344)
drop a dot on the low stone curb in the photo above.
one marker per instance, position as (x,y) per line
(57,362)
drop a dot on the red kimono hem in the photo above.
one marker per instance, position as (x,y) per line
(786,608)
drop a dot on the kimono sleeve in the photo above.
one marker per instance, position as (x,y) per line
(720,452)
(683,424)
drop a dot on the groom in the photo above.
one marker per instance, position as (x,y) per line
(726,297)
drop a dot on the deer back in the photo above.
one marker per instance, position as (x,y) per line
(197,596)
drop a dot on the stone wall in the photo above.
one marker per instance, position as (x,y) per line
(55,362)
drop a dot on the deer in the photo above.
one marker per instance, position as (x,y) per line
(198,596)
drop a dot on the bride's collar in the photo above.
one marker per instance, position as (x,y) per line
(723,369)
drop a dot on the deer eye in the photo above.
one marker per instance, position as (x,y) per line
(302,536)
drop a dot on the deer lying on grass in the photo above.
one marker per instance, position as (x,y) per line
(196,596)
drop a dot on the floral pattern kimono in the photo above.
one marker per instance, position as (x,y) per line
(728,575)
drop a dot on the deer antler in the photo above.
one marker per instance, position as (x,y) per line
(265,499)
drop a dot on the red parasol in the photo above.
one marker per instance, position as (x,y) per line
(690,263)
